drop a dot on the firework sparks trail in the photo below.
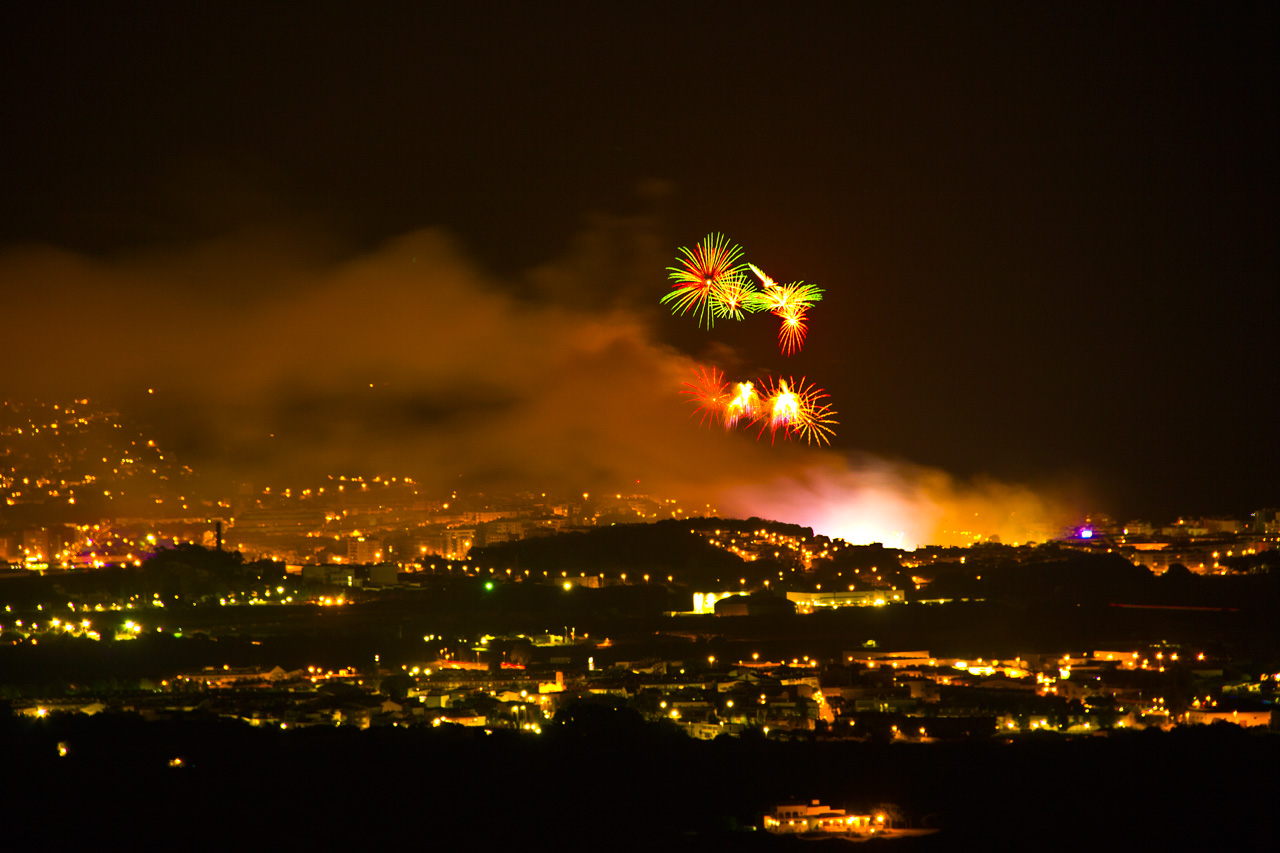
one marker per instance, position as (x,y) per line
(815,424)
(763,276)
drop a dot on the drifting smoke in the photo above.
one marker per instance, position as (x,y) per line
(272,367)
(900,505)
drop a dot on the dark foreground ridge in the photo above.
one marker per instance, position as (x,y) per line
(601,775)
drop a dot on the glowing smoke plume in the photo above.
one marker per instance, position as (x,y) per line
(275,365)
(899,505)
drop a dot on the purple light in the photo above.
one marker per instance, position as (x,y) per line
(1086,532)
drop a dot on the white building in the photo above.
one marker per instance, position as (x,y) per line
(364,551)
(815,817)
(807,602)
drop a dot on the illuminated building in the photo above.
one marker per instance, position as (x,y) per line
(458,541)
(364,551)
(234,676)
(705,602)
(591,581)
(1206,716)
(35,543)
(754,604)
(808,602)
(815,817)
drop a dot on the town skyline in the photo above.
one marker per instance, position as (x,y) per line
(79,466)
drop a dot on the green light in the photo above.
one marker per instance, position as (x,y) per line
(488,585)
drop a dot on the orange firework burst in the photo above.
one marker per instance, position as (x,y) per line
(792,331)
(744,405)
(710,281)
(789,303)
(783,406)
(710,393)
(797,410)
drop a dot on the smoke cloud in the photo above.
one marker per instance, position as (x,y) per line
(259,358)
(863,499)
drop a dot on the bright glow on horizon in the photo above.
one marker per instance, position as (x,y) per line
(897,505)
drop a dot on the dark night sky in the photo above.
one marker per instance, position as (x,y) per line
(1047,231)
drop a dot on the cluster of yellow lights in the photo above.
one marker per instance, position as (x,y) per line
(54,626)
(317,674)
(753,543)
(67,420)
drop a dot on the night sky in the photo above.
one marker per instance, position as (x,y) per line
(430,240)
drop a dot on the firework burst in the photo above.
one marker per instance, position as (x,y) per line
(784,297)
(796,410)
(709,393)
(744,406)
(789,303)
(792,331)
(734,297)
(784,407)
(813,419)
(710,281)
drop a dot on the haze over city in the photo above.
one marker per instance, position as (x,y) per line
(1046,237)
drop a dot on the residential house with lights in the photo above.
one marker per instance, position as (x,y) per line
(815,817)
